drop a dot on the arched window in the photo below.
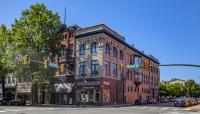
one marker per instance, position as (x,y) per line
(95,47)
(114,52)
(82,49)
(121,55)
(107,49)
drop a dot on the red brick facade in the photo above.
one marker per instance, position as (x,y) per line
(115,86)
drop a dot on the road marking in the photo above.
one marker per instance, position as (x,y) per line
(2,111)
(142,107)
(154,108)
(164,108)
(11,110)
(176,109)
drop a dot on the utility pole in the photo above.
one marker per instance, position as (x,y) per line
(84,89)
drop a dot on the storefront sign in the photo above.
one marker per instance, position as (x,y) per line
(24,87)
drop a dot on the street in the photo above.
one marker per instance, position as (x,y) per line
(95,110)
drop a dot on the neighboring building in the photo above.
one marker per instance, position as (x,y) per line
(101,53)
(174,80)
(10,86)
(63,93)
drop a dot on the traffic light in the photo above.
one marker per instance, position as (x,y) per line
(45,64)
(145,65)
(62,67)
(26,59)
(121,67)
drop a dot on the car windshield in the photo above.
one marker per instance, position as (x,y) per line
(180,99)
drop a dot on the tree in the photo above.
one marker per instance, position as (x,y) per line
(163,90)
(192,88)
(6,54)
(35,34)
(37,29)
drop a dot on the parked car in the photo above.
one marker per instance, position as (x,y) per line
(182,102)
(4,101)
(17,102)
(164,100)
(172,100)
(151,101)
(198,100)
(192,101)
(140,102)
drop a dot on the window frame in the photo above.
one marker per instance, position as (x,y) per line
(94,67)
(94,47)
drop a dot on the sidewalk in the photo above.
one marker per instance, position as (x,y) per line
(76,106)
(193,108)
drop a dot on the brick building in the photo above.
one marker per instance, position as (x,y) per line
(102,56)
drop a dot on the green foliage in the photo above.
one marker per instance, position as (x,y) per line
(6,51)
(35,34)
(191,88)
(37,29)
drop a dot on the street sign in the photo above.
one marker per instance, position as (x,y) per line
(53,65)
(135,66)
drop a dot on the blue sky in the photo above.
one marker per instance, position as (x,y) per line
(168,29)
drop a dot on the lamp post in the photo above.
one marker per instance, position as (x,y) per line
(84,89)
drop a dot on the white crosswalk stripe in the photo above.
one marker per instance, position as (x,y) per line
(2,111)
(11,110)
(156,108)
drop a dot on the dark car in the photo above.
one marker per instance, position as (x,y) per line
(140,102)
(4,101)
(172,100)
(182,102)
(164,100)
(151,101)
(17,102)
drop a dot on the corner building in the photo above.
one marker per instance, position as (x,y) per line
(102,56)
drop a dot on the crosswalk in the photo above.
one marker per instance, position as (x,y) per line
(156,108)
(24,109)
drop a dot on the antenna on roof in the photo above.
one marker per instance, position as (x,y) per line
(65,16)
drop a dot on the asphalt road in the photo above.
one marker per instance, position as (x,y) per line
(92,110)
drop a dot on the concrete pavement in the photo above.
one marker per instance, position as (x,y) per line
(94,110)
(193,108)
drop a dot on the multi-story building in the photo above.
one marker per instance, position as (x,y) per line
(174,81)
(101,59)
(63,92)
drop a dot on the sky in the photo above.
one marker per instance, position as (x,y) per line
(167,29)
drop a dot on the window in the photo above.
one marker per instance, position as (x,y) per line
(130,59)
(121,55)
(95,47)
(62,51)
(107,68)
(82,68)
(107,49)
(95,67)
(121,73)
(82,49)
(138,60)
(114,52)
(114,69)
